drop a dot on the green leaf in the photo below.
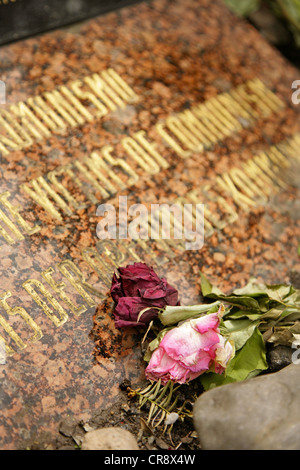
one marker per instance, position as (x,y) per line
(255,289)
(171,315)
(243,7)
(243,301)
(248,362)
(238,331)
(238,314)
(207,288)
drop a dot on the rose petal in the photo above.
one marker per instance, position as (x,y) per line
(186,345)
(116,288)
(127,310)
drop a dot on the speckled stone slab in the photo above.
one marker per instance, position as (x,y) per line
(162,101)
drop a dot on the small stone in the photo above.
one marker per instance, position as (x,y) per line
(151,440)
(78,435)
(67,427)
(111,438)
(171,418)
(262,413)
(161,444)
(219,257)
(279,357)
(125,407)
(87,427)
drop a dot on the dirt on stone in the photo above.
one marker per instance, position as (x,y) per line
(126,413)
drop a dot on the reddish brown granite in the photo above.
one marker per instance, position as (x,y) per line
(173,54)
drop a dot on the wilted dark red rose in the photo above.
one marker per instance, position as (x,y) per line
(136,288)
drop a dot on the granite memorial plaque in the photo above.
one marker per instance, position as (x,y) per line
(22,18)
(160,102)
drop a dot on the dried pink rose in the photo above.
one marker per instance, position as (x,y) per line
(189,350)
(139,287)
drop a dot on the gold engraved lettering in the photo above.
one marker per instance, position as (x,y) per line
(130,249)
(96,262)
(106,152)
(64,108)
(219,111)
(294,143)
(86,95)
(225,182)
(91,178)
(151,149)
(30,121)
(205,124)
(117,82)
(266,95)
(59,287)
(8,350)
(144,153)
(183,133)
(291,149)
(195,122)
(243,181)
(14,130)
(278,158)
(213,123)
(191,196)
(3,150)
(171,142)
(229,102)
(76,278)
(9,143)
(30,286)
(23,314)
(104,92)
(110,250)
(230,213)
(76,103)
(40,197)
(11,332)
(266,164)
(4,233)
(261,178)
(53,178)
(14,211)
(12,227)
(49,116)
(98,167)
(81,186)
(246,100)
